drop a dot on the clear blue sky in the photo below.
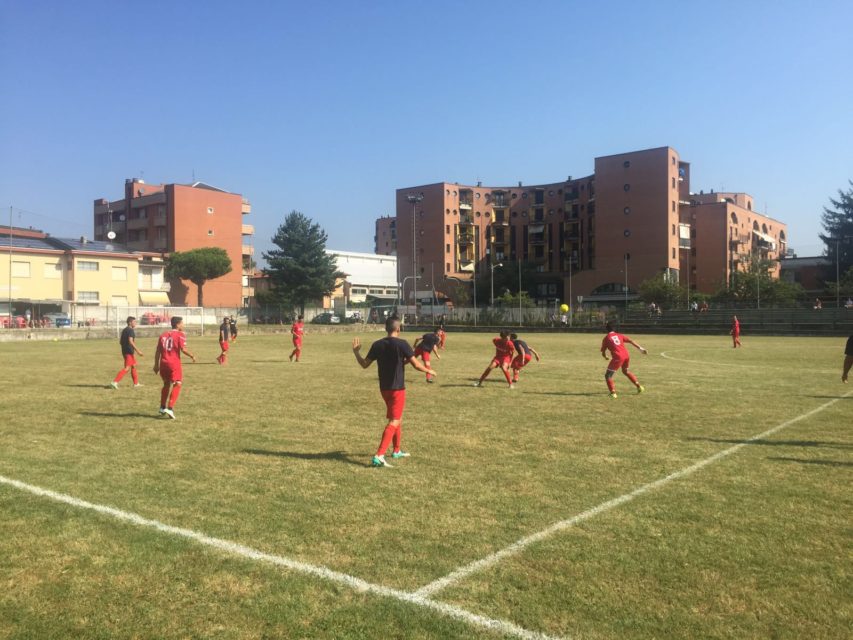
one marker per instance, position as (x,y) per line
(328,107)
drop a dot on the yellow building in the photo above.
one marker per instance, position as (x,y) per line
(53,274)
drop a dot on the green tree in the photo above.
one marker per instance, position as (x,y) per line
(756,286)
(838,233)
(506,280)
(300,270)
(662,291)
(198,266)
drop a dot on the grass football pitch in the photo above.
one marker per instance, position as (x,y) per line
(716,504)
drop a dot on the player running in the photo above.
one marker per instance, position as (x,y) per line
(426,345)
(848,359)
(504,348)
(735,332)
(129,351)
(167,362)
(391,355)
(224,331)
(297,330)
(619,358)
(525,354)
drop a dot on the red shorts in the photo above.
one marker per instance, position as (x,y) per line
(223,344)
(395,400)
(297,342)
(501,361)
(520,361)
(129,360)
(616,363)
(420,353)
(170,374)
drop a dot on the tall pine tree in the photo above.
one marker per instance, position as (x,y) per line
(300,270)
(838,233)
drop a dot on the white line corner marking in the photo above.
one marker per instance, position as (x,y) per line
(519,545)
(233,548)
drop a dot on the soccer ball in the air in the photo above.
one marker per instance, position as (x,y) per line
(564,308)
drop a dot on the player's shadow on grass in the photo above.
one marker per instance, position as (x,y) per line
(362,460)
(828,463)
(831,397)
(89,386)
(105,414)
(566,393)
(778,443)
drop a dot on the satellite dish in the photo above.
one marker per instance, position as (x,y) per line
(111,235)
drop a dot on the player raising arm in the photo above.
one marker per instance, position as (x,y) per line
(391,354)
(619,358)
(167,362)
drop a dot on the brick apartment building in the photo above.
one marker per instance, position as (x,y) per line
(178,217)
(636,211)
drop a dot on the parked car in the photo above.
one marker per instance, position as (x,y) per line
(326,318)
(58,319)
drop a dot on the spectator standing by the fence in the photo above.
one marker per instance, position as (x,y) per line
(128,352)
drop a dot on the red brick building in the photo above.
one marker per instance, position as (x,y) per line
(180,217)
(636,211)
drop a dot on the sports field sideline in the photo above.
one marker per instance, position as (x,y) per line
(714,505)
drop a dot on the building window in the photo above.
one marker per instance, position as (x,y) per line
(120,273)
(627,233)
(626,164)
(673,161)
(626,210)
(448,264)
(673,206)
(210,209)
(477,195)
(447,228)
(673,253)
(627,187)
(673,183)
(673,229)
(20,269)
(52,270)
(447,248)
(118,301)
(86,265)
(87,296)
(210,232)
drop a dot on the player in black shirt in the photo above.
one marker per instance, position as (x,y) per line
(427,345)
(391,354)
(233,326)
(128,352)
(525,353)
(848,359)
(224,331)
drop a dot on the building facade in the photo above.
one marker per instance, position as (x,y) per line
(635,217)
(385,238)
(366,274)
(165,218)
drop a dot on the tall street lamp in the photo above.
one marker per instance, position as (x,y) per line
(627,257)
(494,266)
(414,198)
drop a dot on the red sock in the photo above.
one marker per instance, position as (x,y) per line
(119,376)
(135,375)
(398,436)
(611,385)
(632,377)
(173,398)
(387,436)
(506,375)
(164,395)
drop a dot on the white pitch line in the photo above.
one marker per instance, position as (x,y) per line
(664,354)
(519,545)
(233,548)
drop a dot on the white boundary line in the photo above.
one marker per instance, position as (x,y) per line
(235,549)
(518,546)
(664,354)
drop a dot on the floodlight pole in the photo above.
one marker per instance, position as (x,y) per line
(415,198)
(493,267)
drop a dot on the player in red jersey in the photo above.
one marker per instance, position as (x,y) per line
(167,362)
(619,358)
(525,354)
(425,346)
(129,351)
(735,332)
(504,348)
(297,330)
(391,355)
(224,331)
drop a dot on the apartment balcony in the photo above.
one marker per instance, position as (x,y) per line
(247,230)
(248,250)
(464,238)
(159,244)
(538,259)
(466,205)
(138,245)
(465,221)
(146,285)
(501,221)
(537,239)
(138,223)
(246,207)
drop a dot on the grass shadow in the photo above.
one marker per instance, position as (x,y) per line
(831,397)
(105,414)
(88,386)
(363,460)
(828,463)
(568,393)
(778,443)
